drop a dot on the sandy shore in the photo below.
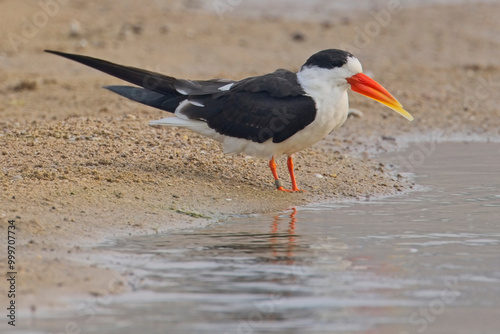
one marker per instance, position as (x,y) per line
(80,165)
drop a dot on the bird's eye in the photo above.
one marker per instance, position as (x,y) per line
(335,63)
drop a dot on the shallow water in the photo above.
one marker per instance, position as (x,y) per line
(426,262)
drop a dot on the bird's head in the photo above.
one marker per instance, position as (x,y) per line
(342,68)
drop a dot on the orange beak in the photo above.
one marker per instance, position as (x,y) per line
(363,84)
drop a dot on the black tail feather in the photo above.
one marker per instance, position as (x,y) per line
(152,81)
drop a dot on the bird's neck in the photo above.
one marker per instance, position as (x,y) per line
(316,82)
(329,93)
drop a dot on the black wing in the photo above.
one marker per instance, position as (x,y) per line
(259,116)
(280,83)
(150,80)
(258,108)
(163,101)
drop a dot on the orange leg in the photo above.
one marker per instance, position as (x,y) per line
(277,181)
(292,174)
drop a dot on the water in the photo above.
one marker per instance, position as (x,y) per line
(427,262)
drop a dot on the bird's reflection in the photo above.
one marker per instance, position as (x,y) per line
(276,236)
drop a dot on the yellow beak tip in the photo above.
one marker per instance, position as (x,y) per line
(409,117)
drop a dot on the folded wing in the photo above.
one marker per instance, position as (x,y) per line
(272,106)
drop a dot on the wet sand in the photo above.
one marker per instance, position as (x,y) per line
(80,165)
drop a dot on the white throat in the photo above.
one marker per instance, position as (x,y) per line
(328,89)
(329,93)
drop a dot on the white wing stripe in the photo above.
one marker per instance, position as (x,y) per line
(226,87)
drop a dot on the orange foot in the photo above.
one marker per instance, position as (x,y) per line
(291,190)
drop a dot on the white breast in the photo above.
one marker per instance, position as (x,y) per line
(332,106)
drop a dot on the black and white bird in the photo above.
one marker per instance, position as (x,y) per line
(264,116)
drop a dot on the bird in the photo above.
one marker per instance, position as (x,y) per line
(266,116)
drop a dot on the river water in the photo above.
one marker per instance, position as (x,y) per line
(425,262)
